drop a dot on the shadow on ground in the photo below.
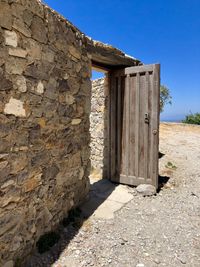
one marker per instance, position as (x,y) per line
(160,155)
(105,198)
(162,180)
(100,194)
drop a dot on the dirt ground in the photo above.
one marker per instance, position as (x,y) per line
(163,230)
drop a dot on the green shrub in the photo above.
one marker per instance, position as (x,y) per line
(192,119)
(170,165)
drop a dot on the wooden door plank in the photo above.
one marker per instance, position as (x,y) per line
(128,155)
(150,104)
(146,126)
(133,180)
(155,122)
(139,69)
(134,70)
(119,128)
(132,125)
(142,103)
(124,129)
(137,109)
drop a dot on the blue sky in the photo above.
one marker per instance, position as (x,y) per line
(156,31)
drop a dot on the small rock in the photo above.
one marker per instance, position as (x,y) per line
(157,261)
(125,239)
(182,259)
(9,264)
(146,189)
(140,265)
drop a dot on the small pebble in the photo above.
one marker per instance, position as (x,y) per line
(157,261)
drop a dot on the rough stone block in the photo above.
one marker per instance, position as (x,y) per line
(81,173)
(15,107)
(17,52)
(15,65)
(27,17)
(48,55)
(51,89)
(5,16)
(69,99)
(63,86)
(74,52)
(36,8)
(11,196)
(39,30)
(5,84)
(40,88)
(74,85)
(3,164)
(34,49)
(76,121)
(21,84)
(19,25)
(40,71)
(9,264)
(33,182)
(7,184)
(9,221)
(11,38)
(18,163)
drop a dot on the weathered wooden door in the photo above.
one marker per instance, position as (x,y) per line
(134,125)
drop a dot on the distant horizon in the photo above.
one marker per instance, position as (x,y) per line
(170,120)
(165,32)
(164,117)
(172,117)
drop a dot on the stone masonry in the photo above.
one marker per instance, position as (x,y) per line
(99,128)
(44,123)
(45,102)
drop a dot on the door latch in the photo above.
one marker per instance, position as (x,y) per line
(146,118)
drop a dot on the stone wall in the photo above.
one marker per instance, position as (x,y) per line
(99,128)
(44,123)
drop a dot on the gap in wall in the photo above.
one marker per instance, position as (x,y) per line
(98,125)
(97,74)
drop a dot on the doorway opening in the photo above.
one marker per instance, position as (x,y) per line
(125,124)
(99,124)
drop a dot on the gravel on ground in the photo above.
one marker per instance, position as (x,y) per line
(161,230)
